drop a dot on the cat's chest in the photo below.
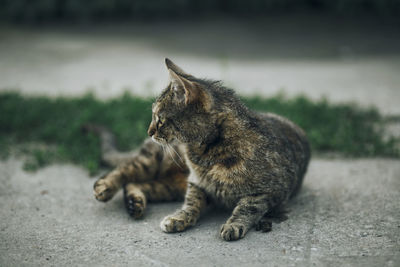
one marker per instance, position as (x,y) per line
(221,185)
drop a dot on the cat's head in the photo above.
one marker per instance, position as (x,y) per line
(184,111)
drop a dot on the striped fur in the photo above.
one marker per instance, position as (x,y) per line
(150,174)
(247,162)
(224,155)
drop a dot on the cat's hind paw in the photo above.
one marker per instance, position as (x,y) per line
(103,190)
(264,225)
(135,206)
(233,231)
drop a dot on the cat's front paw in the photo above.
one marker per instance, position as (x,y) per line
(177,222)
(233,231)
(135,205)
(103,190)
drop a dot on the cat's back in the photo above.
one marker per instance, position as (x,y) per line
(284,137)
(281,125)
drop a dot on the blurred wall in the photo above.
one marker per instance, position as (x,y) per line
(28,11)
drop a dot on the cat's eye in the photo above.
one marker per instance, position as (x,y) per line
(160,121)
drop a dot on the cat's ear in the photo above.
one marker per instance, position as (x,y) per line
(180,83)
(183,87)
(171,66)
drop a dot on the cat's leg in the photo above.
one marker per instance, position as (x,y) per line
(264,224)
(135,200)
(195,204)
(161,190)
(277,215)
(167,188)
(144,166)
(107,186)
(248,211)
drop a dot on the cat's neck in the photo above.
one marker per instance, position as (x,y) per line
(224,142)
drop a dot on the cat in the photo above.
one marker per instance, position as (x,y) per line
(152,173)
(211,150)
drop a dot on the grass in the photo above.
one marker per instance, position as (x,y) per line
(49,130)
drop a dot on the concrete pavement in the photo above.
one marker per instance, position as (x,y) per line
(347,214)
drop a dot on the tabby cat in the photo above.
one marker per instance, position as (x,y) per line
(211,150)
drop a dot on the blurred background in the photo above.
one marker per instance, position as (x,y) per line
(345,50)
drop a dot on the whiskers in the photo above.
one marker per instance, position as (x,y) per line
(167,148)
(172,153)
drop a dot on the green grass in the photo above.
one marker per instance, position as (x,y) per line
(49,130)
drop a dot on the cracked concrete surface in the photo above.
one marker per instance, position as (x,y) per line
(347,214)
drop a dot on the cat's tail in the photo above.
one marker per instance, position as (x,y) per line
(110,155)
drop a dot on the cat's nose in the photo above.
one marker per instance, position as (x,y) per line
(151,131)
